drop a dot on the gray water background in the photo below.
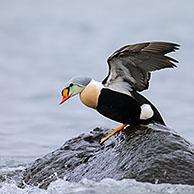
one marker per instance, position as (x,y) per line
(44,43)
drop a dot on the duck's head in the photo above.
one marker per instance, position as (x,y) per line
(74,86)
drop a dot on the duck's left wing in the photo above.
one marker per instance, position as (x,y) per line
(130,66)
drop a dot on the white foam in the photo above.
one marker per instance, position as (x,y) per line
(106,186)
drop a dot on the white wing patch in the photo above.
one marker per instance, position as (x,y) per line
(116,83)
(120,86)
(146,112)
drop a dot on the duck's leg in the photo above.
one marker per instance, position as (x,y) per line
(114,132)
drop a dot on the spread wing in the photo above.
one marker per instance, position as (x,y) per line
(131,65)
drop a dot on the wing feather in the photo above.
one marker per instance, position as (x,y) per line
(134,63)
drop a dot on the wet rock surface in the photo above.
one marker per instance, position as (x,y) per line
(151,153)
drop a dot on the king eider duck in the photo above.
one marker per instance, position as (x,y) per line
(117,96)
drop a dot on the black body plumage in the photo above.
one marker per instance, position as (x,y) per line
(157,118)
(123,108)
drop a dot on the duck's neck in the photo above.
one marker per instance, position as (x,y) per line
(89,96)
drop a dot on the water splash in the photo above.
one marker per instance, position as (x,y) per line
(106,186)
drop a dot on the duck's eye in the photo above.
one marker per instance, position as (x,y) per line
(70,85)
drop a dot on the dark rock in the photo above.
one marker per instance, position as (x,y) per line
(151,153)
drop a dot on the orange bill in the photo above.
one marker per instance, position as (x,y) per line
(64,96)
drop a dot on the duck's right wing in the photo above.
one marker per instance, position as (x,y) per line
(131,65)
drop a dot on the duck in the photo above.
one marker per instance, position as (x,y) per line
(118,96)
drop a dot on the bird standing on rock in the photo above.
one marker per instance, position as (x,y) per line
(117,97)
